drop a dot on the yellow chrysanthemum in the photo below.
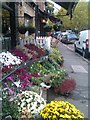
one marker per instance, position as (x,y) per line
(61,110)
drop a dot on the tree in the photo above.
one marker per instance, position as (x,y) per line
(80,17)
(49,7)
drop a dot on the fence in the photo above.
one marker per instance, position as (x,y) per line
(38,41)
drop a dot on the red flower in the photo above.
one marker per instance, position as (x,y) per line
(10,65)
(3,70)
(36,75)
(7,69)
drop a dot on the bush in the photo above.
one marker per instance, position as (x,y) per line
(66,87)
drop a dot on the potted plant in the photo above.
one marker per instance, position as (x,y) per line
(47,28)
(29,105)
(58,78)
(57,27)
(66,87)
(22,29)
(61,110)
(31,29)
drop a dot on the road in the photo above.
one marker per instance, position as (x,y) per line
(77,68)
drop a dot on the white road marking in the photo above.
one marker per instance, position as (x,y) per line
(78,68)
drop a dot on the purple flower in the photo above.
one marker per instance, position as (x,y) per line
(10,78)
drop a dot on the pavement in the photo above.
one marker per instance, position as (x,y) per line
(77,68)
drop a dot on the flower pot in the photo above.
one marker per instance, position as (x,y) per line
(56,90)
(31,30)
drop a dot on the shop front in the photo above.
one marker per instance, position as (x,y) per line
(8,26)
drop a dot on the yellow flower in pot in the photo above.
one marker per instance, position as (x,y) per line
(61,110)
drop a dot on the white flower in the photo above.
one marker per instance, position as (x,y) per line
(7,58)
(17,83)
(22,104)
(32,101)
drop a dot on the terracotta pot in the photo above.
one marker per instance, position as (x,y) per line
(56,90)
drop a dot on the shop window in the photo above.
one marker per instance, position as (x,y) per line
(6,30)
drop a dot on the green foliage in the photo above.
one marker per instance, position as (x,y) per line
(49,7)
(37,80)
(31,29)
(80,17)
(47,28)
(56,51)
(57,26)
(58,77)
(9,108)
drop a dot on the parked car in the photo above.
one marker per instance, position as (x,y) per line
(83,43)
(68,38)
(57,35)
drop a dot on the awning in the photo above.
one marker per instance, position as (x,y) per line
(69,6)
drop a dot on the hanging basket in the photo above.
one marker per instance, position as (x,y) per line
(31,30)
(22,29)
(57,27)
(47,28)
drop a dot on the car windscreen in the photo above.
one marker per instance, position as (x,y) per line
(64,36)
(70,36)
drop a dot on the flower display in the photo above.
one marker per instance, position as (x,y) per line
(40,51)
(56,58)
(59,110)
(20,54)
(7,69)
(30,101)
(6,58)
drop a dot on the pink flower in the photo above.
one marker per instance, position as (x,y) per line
(31,83)
(6,84)
(7,69)
(22,77)
(10,65)
(10,92)
(23,85)
(12,89)
(29,76)
(10,78)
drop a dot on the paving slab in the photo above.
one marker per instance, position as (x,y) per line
(78,68)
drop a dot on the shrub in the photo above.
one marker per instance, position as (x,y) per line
(66,87)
